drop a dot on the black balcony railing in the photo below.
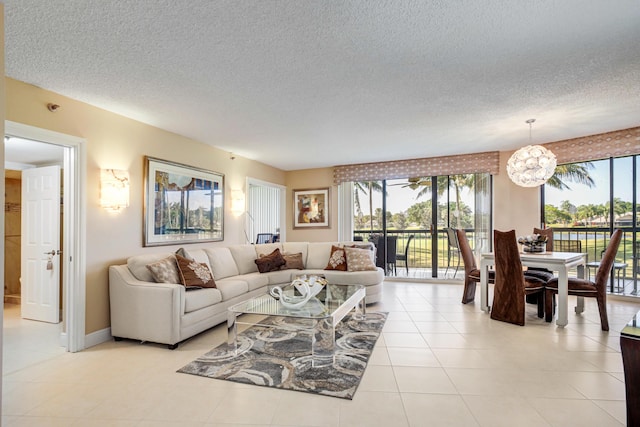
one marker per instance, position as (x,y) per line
(593,242)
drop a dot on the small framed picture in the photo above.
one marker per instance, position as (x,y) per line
(311,208)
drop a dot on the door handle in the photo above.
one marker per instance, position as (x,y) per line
(53,252)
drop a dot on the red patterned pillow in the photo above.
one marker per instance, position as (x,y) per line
(194,274)
(337,259)
(271,262)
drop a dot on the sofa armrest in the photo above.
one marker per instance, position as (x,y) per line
(144,311)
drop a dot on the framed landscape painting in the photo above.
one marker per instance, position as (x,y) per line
(182,204)
(311,208)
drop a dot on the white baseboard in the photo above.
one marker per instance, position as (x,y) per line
(63,339)
(97,337)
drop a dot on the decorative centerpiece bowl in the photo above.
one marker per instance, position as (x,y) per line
(308,287)
(533,243)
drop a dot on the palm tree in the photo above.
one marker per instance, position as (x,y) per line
(366,187)
(571,172)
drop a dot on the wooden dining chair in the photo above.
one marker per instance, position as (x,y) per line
(511,286)
(542,273)
(587,288)
(539,272)
(471,271)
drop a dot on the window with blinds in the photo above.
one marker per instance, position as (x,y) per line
(264,210)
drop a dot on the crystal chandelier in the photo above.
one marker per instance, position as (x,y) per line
(532,165)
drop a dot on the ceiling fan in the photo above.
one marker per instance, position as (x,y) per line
(415,182)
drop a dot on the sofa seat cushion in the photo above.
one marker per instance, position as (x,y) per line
(254,280)
(282,277)
(244,256)
(231,287)
(365,278)
(222,263)
(199,298)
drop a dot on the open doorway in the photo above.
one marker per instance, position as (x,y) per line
(26,149)
(30,333)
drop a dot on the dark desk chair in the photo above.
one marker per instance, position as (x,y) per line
(264,238)
(405,256)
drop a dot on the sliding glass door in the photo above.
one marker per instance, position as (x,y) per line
(408,219)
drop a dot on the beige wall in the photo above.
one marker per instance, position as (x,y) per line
(514,207)
(312,179)
(117,142)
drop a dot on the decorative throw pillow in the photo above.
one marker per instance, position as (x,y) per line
(271,262)
(337,259)
(293,262)
(194,274)
(183,253)
(165,270)
(359,259)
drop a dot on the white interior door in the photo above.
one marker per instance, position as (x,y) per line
(40,269)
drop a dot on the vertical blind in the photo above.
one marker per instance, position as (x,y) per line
(264,210)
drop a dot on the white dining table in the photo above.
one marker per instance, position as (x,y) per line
(560,262)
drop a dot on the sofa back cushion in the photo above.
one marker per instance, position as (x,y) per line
(138,265)
(245,257)
(221,262)
(318,255)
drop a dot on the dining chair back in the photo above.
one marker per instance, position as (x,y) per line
(471,272)
(511,286)
(405,256)
(567,246)
(454,249)
(587,288)
(548,232)
(539,272)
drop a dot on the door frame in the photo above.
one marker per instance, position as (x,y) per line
(72,337)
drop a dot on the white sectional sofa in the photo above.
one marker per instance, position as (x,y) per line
(168,313)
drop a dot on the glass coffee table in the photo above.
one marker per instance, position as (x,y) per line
(320,316)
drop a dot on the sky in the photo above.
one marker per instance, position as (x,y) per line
(599,194)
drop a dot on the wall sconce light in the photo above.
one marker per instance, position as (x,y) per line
(114,189)
(237,202)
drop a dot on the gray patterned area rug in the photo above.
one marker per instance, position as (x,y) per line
(276,353)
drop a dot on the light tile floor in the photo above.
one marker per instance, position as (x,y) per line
(438,363)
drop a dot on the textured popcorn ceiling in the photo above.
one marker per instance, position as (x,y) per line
(301,84)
